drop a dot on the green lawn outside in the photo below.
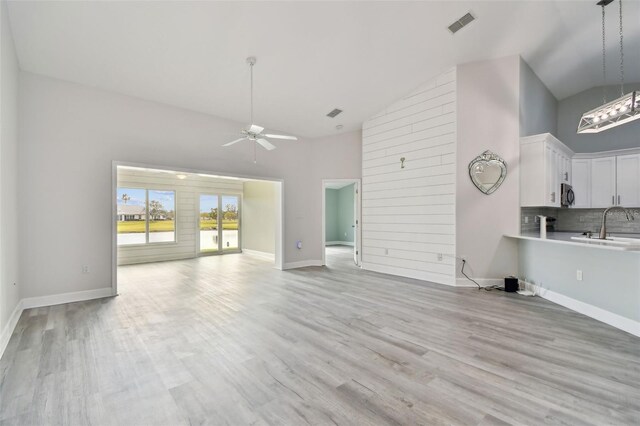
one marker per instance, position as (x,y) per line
(137,226)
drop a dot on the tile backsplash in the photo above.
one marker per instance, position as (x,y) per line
(579,220)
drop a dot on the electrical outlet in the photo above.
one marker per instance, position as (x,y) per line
(581,219)
(579,275)
(439,257)
(526,219)
(386,251)
(85,269)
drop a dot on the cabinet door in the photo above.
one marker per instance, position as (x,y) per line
(581,183)
(603,182)
(552,177)
(567,170)
(628,181)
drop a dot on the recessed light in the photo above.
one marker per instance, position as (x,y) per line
(339,127)
(181,176)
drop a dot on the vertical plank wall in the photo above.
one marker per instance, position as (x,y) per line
(408,214)
(187,204)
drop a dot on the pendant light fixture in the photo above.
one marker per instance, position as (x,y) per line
(622,110)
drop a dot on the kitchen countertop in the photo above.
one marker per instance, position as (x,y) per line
(565,239)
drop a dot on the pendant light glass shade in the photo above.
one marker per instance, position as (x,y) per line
(612,114)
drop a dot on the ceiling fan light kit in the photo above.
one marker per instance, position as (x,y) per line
(254,132)
(620,111)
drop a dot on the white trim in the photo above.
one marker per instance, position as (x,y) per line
(613,153)
(8,329)
(484,282)
(302,264)
(339,243)
(614,320)
(58,299)
(260,254)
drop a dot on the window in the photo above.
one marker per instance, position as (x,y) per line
(145,216)
(219,223)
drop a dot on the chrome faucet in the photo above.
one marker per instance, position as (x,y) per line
(603,228)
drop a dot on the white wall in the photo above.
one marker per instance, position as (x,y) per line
(408,215)
(488,118)
(69,136)
(258,217)
(187,217)
(9,292)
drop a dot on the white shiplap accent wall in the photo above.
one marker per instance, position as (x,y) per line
(408,215)
(187,204)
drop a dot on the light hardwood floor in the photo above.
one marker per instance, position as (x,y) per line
(230,340)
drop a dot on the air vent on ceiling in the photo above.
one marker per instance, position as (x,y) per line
(461,23)
(333,113)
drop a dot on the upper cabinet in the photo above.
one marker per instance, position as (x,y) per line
(605,180)
(628,180)
(545,164)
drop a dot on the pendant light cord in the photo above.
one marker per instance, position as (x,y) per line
(621,55)
(604,63)
(255,154)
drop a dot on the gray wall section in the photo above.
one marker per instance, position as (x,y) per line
(611,279)
(331,214)
(339,214)
(538,106)
(571,109)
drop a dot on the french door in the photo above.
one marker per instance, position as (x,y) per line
(219,223)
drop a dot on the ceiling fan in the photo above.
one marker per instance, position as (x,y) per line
(254,132)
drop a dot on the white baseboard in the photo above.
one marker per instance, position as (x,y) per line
(260,254)
(302,264)
(484,282)
(7,331)
(339,243)
(58,299)
(54,299)
(614,320)
(407,273)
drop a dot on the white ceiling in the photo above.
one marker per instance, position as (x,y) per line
(312,56)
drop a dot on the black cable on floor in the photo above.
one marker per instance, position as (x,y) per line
(464,262)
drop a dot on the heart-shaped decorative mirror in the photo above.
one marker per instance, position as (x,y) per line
(487,172)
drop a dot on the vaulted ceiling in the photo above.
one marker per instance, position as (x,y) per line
(312,56)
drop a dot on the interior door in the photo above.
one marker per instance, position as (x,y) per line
(357,235)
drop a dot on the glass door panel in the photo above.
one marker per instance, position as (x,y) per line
(230,222)
(209,238)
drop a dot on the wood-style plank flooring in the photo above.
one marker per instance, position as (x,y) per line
(230,340)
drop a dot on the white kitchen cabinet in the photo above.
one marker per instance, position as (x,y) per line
(581,182)
(628,180)
(603,182)
(545,163)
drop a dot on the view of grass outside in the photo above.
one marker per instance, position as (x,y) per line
(136,207)
(168,225)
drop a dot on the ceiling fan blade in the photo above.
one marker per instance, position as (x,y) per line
(266,144)
(256,129)
(232,142)
(291,138)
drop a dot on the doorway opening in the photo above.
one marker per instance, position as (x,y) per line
(341,230)
(161,214)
